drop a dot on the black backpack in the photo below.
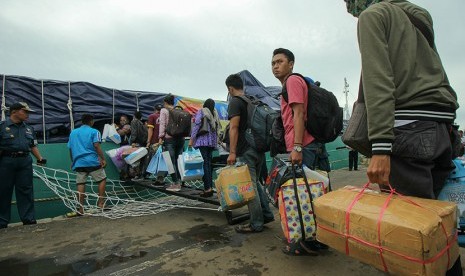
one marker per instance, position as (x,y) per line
(324,115)
(179,122)
(260,119)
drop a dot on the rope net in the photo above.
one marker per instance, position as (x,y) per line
(121,199)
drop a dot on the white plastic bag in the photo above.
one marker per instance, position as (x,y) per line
(113,134)
(168,161)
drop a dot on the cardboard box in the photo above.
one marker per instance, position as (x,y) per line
(414,238)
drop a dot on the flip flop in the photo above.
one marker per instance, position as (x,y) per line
(73,215)
(245,229)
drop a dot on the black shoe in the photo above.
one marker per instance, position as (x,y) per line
(29,222)
(350,169)
(206,194)
(3,226)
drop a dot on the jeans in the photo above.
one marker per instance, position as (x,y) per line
(315,156)
(207,155)
(175,147)
(259,208)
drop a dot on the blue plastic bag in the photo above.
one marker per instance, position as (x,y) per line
(153,165)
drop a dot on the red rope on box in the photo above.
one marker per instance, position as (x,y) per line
(379,246)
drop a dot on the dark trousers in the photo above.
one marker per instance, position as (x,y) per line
(16,173)
(421,160)
(207,155)
(175,147)
(353,159)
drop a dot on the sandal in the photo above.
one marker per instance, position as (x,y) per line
(298,249)
(73,214)
(245,229)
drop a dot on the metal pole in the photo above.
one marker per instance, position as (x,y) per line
(3,99)
(346,92)
(43,112)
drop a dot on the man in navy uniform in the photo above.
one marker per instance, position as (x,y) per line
(17,141)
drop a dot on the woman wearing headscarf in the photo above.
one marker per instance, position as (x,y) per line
(206,141)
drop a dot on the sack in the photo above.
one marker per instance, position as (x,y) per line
(356,133)
(324,115)
(260,119)
(205,127)
(234,187)
(278,143)
(189,174)
(179,122)
(296,208)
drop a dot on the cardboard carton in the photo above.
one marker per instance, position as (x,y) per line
(413,233)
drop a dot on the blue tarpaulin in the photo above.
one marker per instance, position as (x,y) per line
(56,102)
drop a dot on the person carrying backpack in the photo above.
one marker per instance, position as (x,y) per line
(241,151)
(173,144)
(303,147)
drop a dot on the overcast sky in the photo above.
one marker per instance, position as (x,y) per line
(189,47)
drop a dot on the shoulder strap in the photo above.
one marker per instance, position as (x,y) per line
(284,91)
(421,26)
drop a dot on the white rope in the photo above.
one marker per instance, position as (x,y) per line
(125,200)
(113,110)
(43,111)
(3,99)
(70,106)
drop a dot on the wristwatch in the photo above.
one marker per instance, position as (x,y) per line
(298,148)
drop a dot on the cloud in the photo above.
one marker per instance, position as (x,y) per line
(189,47)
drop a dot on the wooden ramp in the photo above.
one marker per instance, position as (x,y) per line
(232,216)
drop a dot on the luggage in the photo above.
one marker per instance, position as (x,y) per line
(234,187)
(135,156)
(186,173)
(192,159)
(280,173)
(324,115)
(296,212)
(260,119)
(397,234)
(179,122)
(117,158)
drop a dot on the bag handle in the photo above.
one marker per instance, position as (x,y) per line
(294,179)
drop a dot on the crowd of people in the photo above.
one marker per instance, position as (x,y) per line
(409,102)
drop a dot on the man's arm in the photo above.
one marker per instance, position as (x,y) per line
(299,112)
(378,87)
(97,147)
(149,134)
(233,137)
(36,153)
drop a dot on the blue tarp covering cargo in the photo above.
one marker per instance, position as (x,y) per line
(59,105)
